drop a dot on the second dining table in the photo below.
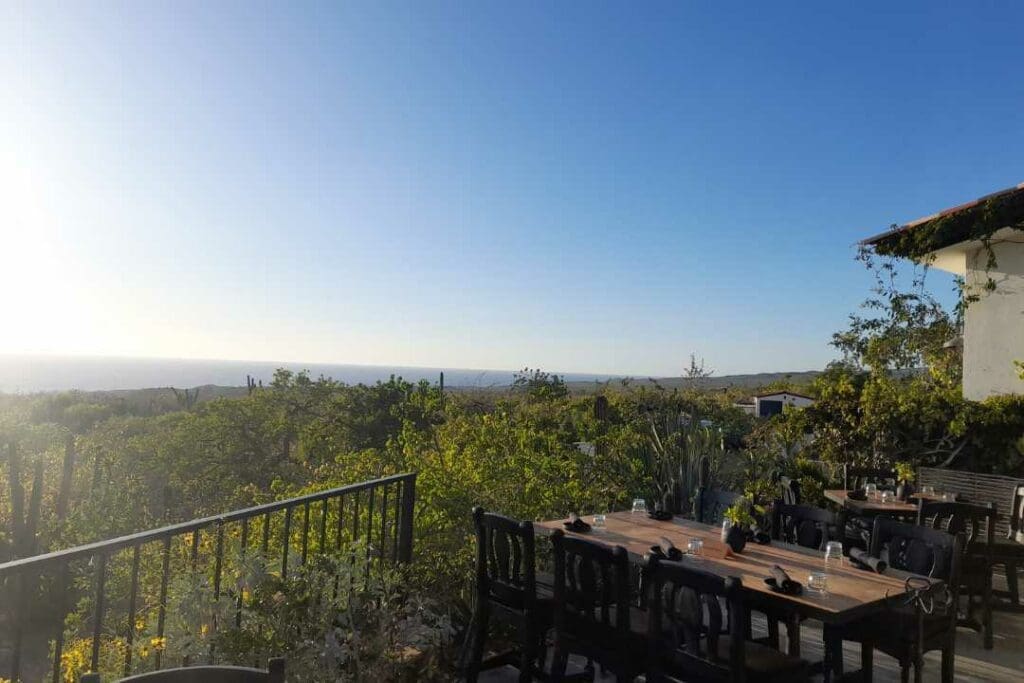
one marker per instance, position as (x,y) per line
(851,594)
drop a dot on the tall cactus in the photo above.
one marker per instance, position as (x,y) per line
(678,447)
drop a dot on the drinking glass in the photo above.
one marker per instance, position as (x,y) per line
(599,521)
(886,496)
(833,555)
(639,505)
(927,490)
(817,582)
(695,547)
(870,490)
(949,497)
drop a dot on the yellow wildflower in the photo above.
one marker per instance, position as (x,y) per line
(158,643)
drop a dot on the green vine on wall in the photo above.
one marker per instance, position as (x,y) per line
(974,224)
(977,223)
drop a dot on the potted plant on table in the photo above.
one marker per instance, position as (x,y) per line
(737,521)
(905,473)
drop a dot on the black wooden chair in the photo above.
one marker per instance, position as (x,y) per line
(592,611)
(905,631)
(689,638)
(977,522)
(507,587)
(790,490)
(808,527)
(274,673)
(1009,551)
(712,504)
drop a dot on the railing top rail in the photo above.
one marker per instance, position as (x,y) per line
(113,544)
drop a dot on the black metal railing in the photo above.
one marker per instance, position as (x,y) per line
(38,593)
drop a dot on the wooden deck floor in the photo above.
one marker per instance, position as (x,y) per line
(1003,664)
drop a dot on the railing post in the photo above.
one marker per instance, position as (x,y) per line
(405,523)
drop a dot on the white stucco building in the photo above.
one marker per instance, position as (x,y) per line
(766,405)
(993,336)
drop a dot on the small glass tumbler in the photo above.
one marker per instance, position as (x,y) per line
(599,521)
(639,505)
(949,497)
(695,548)
(817,582)
(886,496)
(928,491)
(833,555)
(870,490)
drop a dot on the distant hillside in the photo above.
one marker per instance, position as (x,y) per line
(722,383)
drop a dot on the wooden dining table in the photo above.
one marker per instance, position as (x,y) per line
(851,594)
(873,505)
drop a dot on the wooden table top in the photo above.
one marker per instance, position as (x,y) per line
(871,505)
(852,592)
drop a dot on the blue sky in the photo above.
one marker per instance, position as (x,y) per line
(588,187)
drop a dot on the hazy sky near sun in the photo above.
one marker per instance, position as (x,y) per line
(578,186)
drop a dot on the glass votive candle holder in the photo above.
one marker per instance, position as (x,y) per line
(817,582)
(599,521)
(639,505)
(695,548)
(833,555)
(870,490)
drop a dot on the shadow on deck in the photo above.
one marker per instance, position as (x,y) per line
(1003,664)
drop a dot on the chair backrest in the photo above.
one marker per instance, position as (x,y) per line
(591,591)
(975,520)
(506,569)
(919,550)
(685,623)
(856,477)
(805,525)
(790,489)
(274,673)
(1016,532)
(712,504)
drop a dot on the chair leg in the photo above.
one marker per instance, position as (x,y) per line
(542,650)
(773,633)
(477,636)
(986,612)
(948,664)
(867,662)
(793,635)
(559,662)
(904,671)
(527,656)
(1011,583)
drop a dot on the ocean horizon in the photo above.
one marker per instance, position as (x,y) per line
(39,373)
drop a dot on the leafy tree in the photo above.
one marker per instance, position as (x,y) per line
(539,385)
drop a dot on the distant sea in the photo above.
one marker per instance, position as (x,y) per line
(28,374)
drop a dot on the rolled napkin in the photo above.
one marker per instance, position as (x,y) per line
(576,524)
(858,494)
(780,581)
(660,515)
(758,536)
(669,550)
(861,558)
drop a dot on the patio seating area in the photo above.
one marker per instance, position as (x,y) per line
(916,592)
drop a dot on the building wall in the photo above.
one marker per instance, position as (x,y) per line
(767,405)
(994,325)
